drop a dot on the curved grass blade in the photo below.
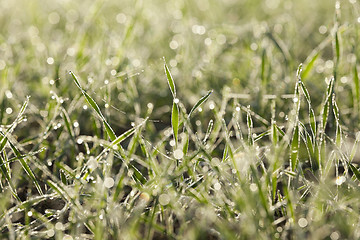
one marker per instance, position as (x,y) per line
(126,134)
(355,171)
(6,173)
(96,108)
(75,80)
(170,80)
(310,65)
(201,100)
(26,168)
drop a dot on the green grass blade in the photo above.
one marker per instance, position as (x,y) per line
(26,168)
(175,120)
(355,171)
(6,173)
(93,104)
(309,66)
(75,80)
(126,134)
(170,81)
(68,125)
(295,148)
(356,86)
(203,99)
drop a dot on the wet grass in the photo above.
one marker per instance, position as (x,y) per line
(181,120)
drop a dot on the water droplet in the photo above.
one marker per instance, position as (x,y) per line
(9,110)
(334,236)
(109,182)
(253,187)
(340,180)
(217,186)
(302,222)
(172,143)
(164,199)
(178,154)
(50,233)
(176,100)
(50,60)
(59,226)
(295,99)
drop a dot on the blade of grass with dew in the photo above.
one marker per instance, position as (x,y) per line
(338,127)
(127,134)
(355,171)
(6,173)
(356,87)
(26,168)
(310,65)
(263,200)
(175,121)
(250,128)
(170,81)
(209,130)
(68,125)
(295,143)
(95,107)
(201,100)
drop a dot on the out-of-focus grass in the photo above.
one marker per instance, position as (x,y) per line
(122,149)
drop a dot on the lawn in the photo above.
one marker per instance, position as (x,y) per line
(232,119)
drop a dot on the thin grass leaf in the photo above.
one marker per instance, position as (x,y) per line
(201,100)
(263,64)
(110,132)
(26,168)
(75,80)
(68,125)
(261,193)
(305,91)
(250,128)
(295,143)
(175,120)
(356,86)
(186,145)
(355,171)
(209,130)
(93,104)
(6,173)
(59,190)
(126,134)
(312,121)
(309,66)
(63,177)
(170,81)
(337,47)
(274,134)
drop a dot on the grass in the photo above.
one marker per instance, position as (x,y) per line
(181,120)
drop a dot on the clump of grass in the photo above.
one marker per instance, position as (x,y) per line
(242,144)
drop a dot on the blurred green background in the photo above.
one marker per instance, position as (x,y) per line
(117,49)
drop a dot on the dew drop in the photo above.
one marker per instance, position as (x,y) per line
(178,154)
(109,182)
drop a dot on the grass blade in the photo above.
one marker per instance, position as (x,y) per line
(170,81)
(175,120)
(309,66)
(203,99)
(26,168)
(295,148)
(355,171)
